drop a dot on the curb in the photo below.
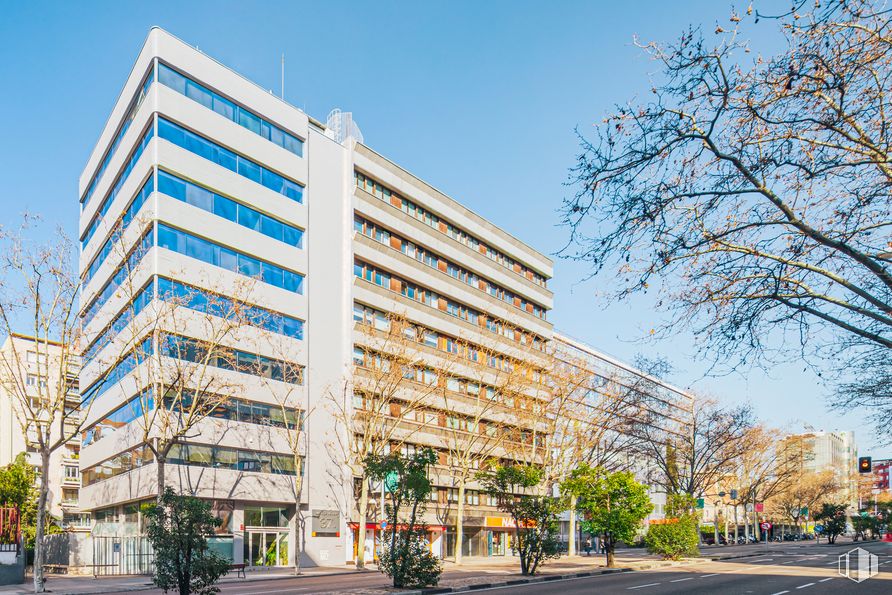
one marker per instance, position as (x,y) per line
(512,582)
(236,581)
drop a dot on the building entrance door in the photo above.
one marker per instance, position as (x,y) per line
(266,548)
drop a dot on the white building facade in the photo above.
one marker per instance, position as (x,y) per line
(202,181)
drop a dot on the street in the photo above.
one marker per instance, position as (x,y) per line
(782,568)
(790,569)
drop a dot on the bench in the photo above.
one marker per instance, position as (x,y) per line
(239,569)
(55,568)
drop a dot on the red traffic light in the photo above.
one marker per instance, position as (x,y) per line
(865,465)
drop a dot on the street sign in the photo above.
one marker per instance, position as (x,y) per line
(765,526)
(391,481)
(383,525)
(700,503)
(760,507)
(819,528)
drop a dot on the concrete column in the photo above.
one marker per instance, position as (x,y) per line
(238,533)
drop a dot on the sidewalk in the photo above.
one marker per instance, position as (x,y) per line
(61,584)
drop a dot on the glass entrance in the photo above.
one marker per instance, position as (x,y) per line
(266,548)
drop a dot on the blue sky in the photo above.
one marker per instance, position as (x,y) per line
(479,99)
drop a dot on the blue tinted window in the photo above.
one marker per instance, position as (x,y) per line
(226,158)
(294,236)
(199,94)
(248,218)
(172,79)
(249,121)
(199,197)
(229,110)
(211,253)
(250,170)
(225,208)
(272,228)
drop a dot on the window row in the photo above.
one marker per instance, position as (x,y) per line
(412,250)
(142,299)
(218,356)
(119,417)
(240,410)
(243,166)
(416,293)
(372,274)
(229,109)
(128,119)
(226,258)
(111,286)
(191,454)
(220,457)
(117,373)
(117,465)
(229,209)
(135,205)
(181,294)
(369,316)
(116,188)
(430,219)
(193,350)
(364,358)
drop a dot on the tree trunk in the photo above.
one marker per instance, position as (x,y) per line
(160,461)
(571,545)
(298,517)
(611,555)
(363,512)
(459,523)
(43,494)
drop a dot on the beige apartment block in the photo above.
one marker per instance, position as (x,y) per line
(24,371)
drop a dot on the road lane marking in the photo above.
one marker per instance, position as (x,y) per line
(824,580)
(765,560)
(642,586)
(709,575)
(680,580)
(780,593)
(805,585)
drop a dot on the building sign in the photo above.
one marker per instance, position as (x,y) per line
(503,522)
(326,523)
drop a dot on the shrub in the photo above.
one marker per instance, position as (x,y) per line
(673,540)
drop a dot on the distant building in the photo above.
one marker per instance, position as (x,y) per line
(23,366)
(829,451)
(880,473)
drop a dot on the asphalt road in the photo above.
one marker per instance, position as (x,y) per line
(792,568)
(809,570)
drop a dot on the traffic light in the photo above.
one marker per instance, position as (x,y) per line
(865,465)
(734,494)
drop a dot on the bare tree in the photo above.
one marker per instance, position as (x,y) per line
(755,190)
(588,417)
(691,457)
(39,289)
(394,385)
(289,416)
(491,408)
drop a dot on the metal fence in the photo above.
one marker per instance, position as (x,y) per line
(122,555)
(10,530)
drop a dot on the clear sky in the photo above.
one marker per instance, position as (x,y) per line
(480,99)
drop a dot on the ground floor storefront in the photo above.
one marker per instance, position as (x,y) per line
(373,535)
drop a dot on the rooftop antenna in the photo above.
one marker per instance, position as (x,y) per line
(283,76)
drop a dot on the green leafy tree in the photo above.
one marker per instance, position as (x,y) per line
(178,528)
(613,504)
(535,517)
(406,557)
(677,537)
(833,517)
